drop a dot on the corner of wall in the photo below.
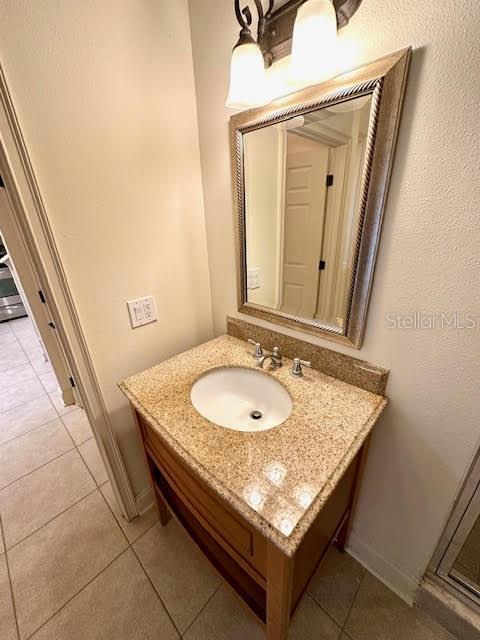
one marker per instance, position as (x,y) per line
(404,585)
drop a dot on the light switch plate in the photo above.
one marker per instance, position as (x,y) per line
(142,311)
(253,278)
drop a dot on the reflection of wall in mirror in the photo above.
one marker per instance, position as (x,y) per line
(264,161)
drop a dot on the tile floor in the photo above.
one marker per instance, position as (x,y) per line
(72,569)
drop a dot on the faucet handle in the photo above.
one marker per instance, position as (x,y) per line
(297,367)
(258,353)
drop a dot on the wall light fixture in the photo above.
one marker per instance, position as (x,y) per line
(306,28)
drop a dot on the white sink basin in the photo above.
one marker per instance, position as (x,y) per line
(241,399)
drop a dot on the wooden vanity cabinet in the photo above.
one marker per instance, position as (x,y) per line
(270,582)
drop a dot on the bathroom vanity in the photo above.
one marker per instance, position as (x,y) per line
(263,505)
(264,475)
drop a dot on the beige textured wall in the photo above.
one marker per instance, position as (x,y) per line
(428,262)
(263,198)
(105,96)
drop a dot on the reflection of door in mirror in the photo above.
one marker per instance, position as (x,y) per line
(302,192)
(304,213)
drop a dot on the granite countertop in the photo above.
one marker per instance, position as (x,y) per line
(277,479)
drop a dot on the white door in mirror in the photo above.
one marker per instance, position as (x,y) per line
(142,311)
(241,399)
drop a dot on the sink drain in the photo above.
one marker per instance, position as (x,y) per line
(255,415)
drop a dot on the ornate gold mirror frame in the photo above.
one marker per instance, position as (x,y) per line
(385,81)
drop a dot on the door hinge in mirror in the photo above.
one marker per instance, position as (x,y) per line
(41,296)
(329,180)
(72,381)
(321,265)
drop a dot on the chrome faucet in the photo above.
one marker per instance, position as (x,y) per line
(275,359)
(258,353)
(297,367)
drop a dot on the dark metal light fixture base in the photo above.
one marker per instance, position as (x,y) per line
(276,41)
(275,26)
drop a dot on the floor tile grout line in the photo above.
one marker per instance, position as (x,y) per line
(28,355)
(76,593)
(37,375)
(9,386)
(77,447)
(59,417)
(9,578)
(22,347)
(17,340)
(40,467)
(203,608)
(130,546)
(85,462)
(19,344)
(51,402)
(30,362)
(128,543)
(74,504)
(106,566)
(97,488)
(155,590)
(312,597)
(17,406)
(318,603)
(114,516)
(353,601)
(83,442)
(20,435)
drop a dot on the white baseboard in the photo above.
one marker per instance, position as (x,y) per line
(144,500)
(403,585)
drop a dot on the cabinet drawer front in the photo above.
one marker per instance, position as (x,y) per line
(226,524)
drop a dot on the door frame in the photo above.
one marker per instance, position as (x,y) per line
(30,292)
(31,223)
(457,530)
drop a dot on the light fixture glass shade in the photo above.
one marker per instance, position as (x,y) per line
(247,77)
(314,42)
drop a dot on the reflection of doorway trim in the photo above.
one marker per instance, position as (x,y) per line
(282,163)
(34,231)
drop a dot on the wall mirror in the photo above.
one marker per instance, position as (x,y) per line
(311,173)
